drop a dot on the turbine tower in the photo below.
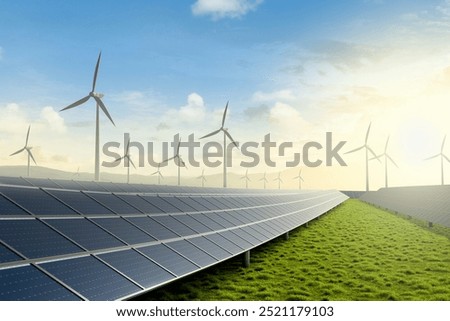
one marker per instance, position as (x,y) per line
(300,179)
(264,179)
(386,158)
(247,179)
(127,160)
(443,156)
(279,180)
(178,161)
(28,150)
(203,178)
(367,150)
(100,105)
(158,172)
(225,135)
(77,173)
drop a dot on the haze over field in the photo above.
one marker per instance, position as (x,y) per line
(294,69)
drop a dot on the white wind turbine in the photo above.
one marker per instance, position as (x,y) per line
(386,158)
(443,156)
(264,179)
(203,178)
(100,105)
(279,180)
(127,160)
(178,161)
(300,179)
(367,150)
(28,150)
(225,135)
(247,179)
(158,172)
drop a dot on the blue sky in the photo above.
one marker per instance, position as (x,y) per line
(293,68)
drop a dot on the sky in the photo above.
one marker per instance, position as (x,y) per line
(294,69)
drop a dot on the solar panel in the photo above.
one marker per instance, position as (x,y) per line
(140,203)
(217,217)
(114,203)
(160,203)
(239,241)
(69,185)
(205,220)
(192,252)
(34,239)
(42,182)
(20,181)
(210,247)
(9,208)
(85,233)
(225,243)
(91,278)
(174,225)
(192,223)
(80,201)
(137,267)
(6,255)
(124,230)
(176,202)
(153,228)
(194,202)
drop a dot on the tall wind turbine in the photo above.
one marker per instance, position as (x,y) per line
(178,161)
(100,105)
(127,160)
(279,180)
(225,135)
(300,179)
(264,179)
(386,158)
(247,179)
(203,178)
(158,172)
(367,150)
(443,156)
(28,150)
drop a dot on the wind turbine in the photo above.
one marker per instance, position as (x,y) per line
(264,179)
(225,135)
(386,158)
(443,156)
(203,178)
(28,149)
(300,179)
(178,161)
(127,160)
(247,179)
(100,105)
(77,173)
(158,172)
(279,180)
(367,149)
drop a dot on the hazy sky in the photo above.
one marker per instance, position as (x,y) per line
(295,69)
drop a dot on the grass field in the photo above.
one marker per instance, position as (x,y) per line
(356,252)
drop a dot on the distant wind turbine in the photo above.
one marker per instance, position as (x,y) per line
(127,160)
(225,135)
(28,150)
(77,173)
(178,161)
(203,178)
(300,179)
(386,158)
(100,105)
(443,156)
(367,149)
(247,179)
(158,172)
(279,180)
(264,179)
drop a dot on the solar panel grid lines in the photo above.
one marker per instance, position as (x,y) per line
(9,207)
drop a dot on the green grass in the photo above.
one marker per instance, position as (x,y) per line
(356,252)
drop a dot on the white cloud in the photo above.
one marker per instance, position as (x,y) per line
(218,9)
(53,120)
(194,111)
(283,95)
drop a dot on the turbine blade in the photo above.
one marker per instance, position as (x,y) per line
(386,146)
(296,177)
(376,157)
(154,173)
(31,155)
(131,161)
(448,160)
(432,157)
(118,159)
(373,153)
(19,151)
(161,175)
(77,103)
(224,114)
(128,147)
(302,179)
(368,131)
(28,135)
(355,150)
(166,160)
(103,107)
(443,143)
(178,147)
(211,134)
(390,158)
(96,72)
(231,138)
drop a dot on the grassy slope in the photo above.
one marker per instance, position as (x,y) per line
(356,252)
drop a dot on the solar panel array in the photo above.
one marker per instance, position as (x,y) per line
(70,240)
(428,203)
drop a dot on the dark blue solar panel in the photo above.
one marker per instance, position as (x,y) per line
(6,255)
(225,243)
(195,203)
(112,187)
(85,233)
(206,202)
(137,267)
(233,237)
(192,223)
(160,203)
(175,201)
(205,220)
(244,234)
(26,283)
(69,185)
(218,217)
(124,230)
(210,247)
(42,182)
(91,278)
(153,228)
(114,203)
(9,208)
(92,186)
(215,202)
(81,202)
(192,252)
(233,217)
(140,203)
(14,181)
(36,201)
(34,239)
(257,232)
(174,225)
(169,259)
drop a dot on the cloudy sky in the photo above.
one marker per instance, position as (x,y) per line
(294,69)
